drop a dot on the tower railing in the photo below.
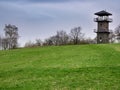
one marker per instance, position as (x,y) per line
(102,31)
(103,19)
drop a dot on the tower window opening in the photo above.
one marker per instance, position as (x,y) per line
(100,39)
(100,24)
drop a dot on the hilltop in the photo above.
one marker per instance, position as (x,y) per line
(75,67)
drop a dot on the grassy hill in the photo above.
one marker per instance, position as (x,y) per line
(79,67)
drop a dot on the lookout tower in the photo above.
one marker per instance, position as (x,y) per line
(103,31)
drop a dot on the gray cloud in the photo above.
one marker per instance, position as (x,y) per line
(57,1)
(44,1)
(36,1)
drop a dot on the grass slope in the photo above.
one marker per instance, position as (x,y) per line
(85,67)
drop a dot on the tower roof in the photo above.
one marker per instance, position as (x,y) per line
(103,13)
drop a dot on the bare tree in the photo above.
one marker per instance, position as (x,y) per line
(62,37)
(54,40)
(38,42)
(11,33)
(76,35)
(29,44)
(5,43)
(117,33)
(48,42)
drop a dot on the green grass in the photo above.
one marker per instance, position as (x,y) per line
(79,67)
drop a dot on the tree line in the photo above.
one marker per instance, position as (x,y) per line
(75,37)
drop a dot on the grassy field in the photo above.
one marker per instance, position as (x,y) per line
(79,67)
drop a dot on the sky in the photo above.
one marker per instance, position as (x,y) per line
(40,19)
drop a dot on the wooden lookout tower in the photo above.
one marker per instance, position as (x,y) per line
(103,31)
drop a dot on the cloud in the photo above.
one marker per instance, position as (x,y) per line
(39,1)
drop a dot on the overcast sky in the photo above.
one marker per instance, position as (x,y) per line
(42,18)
